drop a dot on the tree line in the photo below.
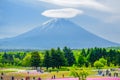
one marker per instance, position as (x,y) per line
(56,58)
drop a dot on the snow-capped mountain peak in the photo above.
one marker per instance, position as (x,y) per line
(56,33)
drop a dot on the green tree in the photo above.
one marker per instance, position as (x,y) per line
(53,58)
(27,60)
(47,59)
(84,53)
(0,59)
(81,74)
(16,61)
(4,58)
(81,60)
(10,59)
(7,58)
(35,59)
(98,64)
(60,58)
(91,56)
(111,57)
(57,58)
(104,61)
(117,59)
(95,54)
(69,56)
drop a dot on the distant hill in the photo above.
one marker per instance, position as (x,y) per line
(116,48)
(54,33)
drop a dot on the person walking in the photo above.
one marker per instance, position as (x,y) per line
(12,78)
(27,78)
(33,78)
(1,78)
(63,75)
(54,77)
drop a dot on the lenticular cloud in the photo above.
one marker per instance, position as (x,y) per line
(62,13)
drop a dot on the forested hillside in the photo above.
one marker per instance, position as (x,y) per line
(56,58)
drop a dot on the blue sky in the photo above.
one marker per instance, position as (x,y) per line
(101,17)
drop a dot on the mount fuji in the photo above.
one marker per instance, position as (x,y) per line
(56,33)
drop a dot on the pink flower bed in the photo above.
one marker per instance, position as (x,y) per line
(106,78)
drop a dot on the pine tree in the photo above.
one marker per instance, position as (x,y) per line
(47,59)
(61,58)
(81,60)
(35,59)
(69,56)
(53,58)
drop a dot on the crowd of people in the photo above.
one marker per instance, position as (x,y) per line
(2,77)
(27,78)
(108,73)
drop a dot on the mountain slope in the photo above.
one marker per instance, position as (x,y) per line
(54,33)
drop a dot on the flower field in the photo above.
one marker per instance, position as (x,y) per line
(105,78)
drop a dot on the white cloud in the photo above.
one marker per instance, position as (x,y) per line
(112,19)
(79,3)
(114,5)
(62,13)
